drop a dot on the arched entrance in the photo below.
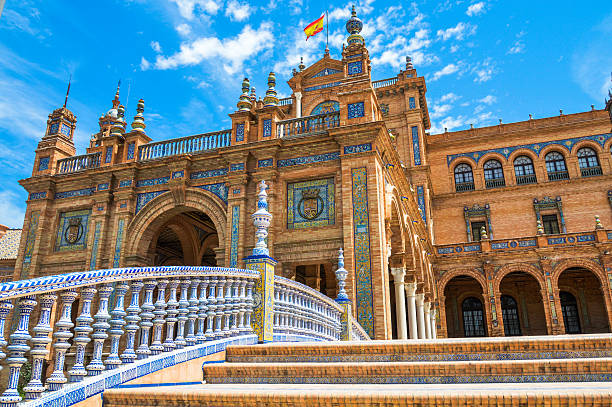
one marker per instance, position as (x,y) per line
(464,308)
(582,301)
(525,292)
(187,239)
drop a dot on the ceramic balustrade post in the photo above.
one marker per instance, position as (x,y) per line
(5,308)
(281,309)
(210,313)
(182,315)
(276,306)
(242,306)
(171,319)
(236,306)
(249,307)
(62,335)
(193,312)
(202,308)
(116,325)
(81,334)
(132,319)
(227,312)
(220,308)
(17,348)
(146,320)
(160,318)
(39,349)
(95,366)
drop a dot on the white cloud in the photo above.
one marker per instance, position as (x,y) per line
(144,64)
(484,71)
(488,100)
(12,210)
(475,9)
(459,32)
(237,11)
(231,52)
(449,97)
(183,29)
(156,47)
(189,8)
(447,70)
(438,111)
(517,48)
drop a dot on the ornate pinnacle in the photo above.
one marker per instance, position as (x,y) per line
(598,224)
(540,228)
(138,124)
(244,103)
(271,98)
(302,66)
(118,127)
(483,233)
(261,220)
(253,95)
(341,274)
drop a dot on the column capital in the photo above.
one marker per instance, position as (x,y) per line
(398,274)
(420,298)
(410,289)
(427,306)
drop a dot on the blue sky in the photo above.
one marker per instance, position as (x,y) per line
(482,59)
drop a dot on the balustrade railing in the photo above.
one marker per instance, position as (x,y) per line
(308,124)
(185,145)
(384,82)
(285,102)
(78,163)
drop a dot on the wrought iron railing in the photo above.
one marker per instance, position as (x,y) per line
(308,124)
(591,171)
(558,175)
(384,82)
(495,183)
(185,145)
(78,163)
(526,179)
(464,186)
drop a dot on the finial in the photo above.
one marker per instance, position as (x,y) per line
(271,98)
(253,95)
(409,63)
(354,27)
(67,91)
(118,127)
(341,274)
(326,53)
(261,220)
(138,124)
(116,102)
(540,228)
(560,112)
(592,107)
(483,233)
(530,116)
(302,66)
(598,224)
(244,102)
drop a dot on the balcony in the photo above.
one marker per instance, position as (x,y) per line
(558,175)
(526,179)
(308,125)
(285,102)
(495,183)
(186,145)
(384,82)
(464,186)
(591,171)
(78,163)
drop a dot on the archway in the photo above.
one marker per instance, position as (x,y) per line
(525,291)
(582,301)
(465,307)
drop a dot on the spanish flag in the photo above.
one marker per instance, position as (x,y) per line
(315,27)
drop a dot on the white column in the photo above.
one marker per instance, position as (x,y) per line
(400,302)
(426,308)
(298,104)
(420,298)
(434,334)
(412,314)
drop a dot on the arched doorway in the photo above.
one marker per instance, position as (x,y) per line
(464,308)
(187,239)
(525,292)
(582,301)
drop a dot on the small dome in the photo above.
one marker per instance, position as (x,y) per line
(354,24)
(112,113)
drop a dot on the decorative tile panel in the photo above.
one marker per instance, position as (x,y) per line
(178,174)
(65,130)
(411,103)
(359,148)
(237,167)
(130,152)
(208,173)
(567,144)
(43,163)
(421,202)
(416,145)
(234,236)
(240,132)
(108,155)
(125,183)
(94,247)
(29,244)
(325,72)
(75,193)
(329,106)
(363,266)
(143,199)
(152,181)
(104,186)
(268,162)
(72,230)
(355,67)
(308,159)
(324,86)
(218,189)
(118,243)
(54,128)
(267,127)
(356,110)
(38,195)
(311,204)
(528,243)
(556,240)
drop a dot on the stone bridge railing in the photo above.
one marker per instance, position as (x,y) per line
(172,314)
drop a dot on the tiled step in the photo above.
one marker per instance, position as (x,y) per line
(522,348)
(507,371)
(506,395)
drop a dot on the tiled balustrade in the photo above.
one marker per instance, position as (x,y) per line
(307,125)
(78,163)
(186,145)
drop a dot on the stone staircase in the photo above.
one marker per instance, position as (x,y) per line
(567,370)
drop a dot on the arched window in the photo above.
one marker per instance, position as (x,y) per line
(464,179)
(555,166)
(588,162)
(524,171)
(569,308)
(512,326)
(494,174)
(473,317)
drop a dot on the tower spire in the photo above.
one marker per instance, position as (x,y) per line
(116,99)
(67,91)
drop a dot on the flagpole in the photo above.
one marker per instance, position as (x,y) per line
(327,27)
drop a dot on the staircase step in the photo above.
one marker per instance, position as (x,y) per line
(460,349)
(507,371)
(510,395)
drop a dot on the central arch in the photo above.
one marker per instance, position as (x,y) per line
(163,217)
